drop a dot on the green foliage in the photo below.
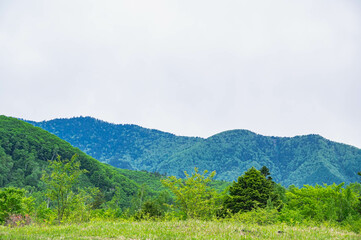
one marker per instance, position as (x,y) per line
(149,210)
(81,204)
(14,201)
(252,190)
(44,214)
(193,195)
(265,172)
(151,179)
(25,152)
(321,203)
(154,208)
(260,216)
(60,182)
(106,193)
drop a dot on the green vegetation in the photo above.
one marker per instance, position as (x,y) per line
(60,182)
(25,152)
(73,196)
(252,190)
(14,201)
(190,229)
(331,211)
(194,197)
(300,160)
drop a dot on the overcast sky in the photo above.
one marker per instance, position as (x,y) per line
(195,68)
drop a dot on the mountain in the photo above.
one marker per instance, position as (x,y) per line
(299,160)
(25,151)
(122,146)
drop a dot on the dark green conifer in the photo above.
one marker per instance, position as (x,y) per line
(252,190)
(265,172)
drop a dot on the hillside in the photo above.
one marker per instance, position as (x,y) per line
(25,151)
(309,159)
(300,160)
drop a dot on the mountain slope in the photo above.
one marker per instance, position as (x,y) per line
(25,151)
(123,146)
(300,160)
(309,159)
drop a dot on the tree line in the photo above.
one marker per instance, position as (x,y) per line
(254,197)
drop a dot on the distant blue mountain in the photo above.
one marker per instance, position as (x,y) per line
(309,159)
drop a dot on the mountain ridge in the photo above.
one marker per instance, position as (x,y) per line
(177,135)
(303,159)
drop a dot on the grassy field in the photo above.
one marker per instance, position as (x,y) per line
(191,229)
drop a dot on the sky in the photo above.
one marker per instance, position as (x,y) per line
(193,68)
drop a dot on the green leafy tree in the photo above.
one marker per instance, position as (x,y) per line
(60,181)
(194,197)
(321,203)
(139,198)
(252,190)
(79,209)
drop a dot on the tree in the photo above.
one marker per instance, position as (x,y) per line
(60,182)
(154,207)
(194,197)
(322,203)
(359,173)
(252,190)
(265,172)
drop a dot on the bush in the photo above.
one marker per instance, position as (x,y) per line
(13,201)
(18,220)
(150,209)
(322,203)
(353,224)
(258,216)
(45,214)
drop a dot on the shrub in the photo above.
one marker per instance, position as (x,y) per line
(13,201)
(18,220)
(258,216)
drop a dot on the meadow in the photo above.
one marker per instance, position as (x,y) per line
(188,229)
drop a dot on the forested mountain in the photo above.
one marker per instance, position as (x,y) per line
(299,160)
(25,151)
(123,146)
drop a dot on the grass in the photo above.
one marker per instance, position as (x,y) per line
(190,229)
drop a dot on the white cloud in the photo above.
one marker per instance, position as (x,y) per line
(192,68)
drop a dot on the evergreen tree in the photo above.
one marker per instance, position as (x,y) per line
(265,172)
(252,190)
